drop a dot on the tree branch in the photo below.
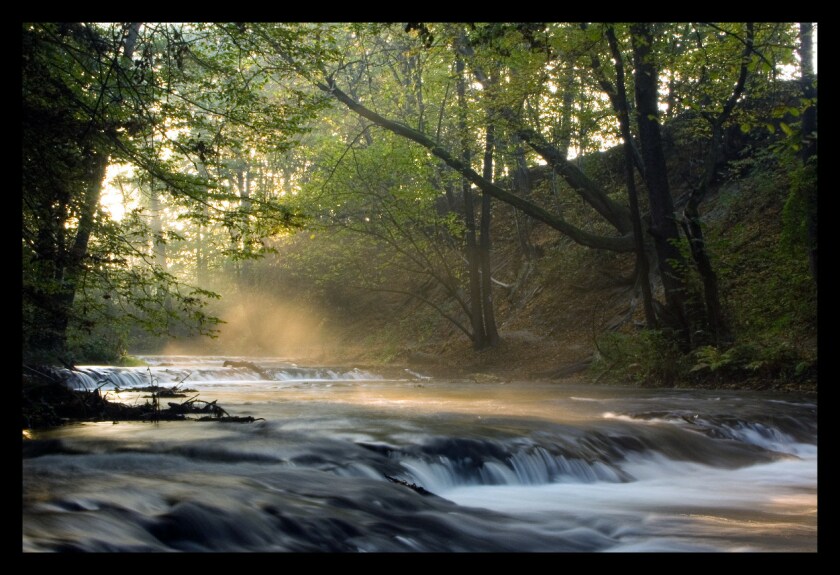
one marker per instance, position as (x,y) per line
(622,243)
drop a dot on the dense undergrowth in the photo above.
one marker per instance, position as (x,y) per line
(755,234)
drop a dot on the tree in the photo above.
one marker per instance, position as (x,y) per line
(171,102)
(208,119)
(424,242)
(663,223)
(70,114)
(538,51)
(617,93)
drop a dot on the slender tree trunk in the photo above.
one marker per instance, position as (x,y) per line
(96,166)
(417,80)
(200,258)
(491,333)
(246,183)
(623,111)
(714,316)
(663,223)
(714,311)
(202,249)
(158,245)
(156,225)
(473,262)
(476,317)
(233,265)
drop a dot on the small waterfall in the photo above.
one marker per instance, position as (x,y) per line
(773,433)
(320,374)
(584,456)
(536,468)
(90,378)
(108,377)
(446,463)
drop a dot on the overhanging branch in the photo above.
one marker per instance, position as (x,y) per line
(622,243)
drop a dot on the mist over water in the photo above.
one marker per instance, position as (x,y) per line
(256,323)
(472,467)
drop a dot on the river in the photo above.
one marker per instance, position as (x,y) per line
(346,460)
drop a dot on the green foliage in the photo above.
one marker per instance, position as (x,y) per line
(181,107)
(769,361)
(803,181)
(709,358)
(771,291)
(130,361)
(376,204)
(648,358)
(763,271)
(230,147)
(96,349)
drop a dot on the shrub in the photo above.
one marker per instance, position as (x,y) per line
(649,358)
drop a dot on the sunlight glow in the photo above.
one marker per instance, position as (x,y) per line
(116,194)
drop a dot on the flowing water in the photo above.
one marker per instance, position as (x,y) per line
(513,467)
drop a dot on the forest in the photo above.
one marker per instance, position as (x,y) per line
(637,202)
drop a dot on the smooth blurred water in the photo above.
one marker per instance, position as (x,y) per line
(520,466)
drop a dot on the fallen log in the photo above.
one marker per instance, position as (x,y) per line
(232,419)
(248,365)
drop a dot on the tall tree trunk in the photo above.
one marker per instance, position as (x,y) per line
(714,316)
(713,320)
(202,249)
(473,262)
(491,332)
(417,84)
(245,271)
(809,131)
(663,223)
(158,245)
(200,257)
(60,310)
(476,317)
(623,111)
(130,33)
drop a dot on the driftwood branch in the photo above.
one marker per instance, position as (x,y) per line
(412,486)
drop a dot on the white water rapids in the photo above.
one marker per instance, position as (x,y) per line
(520,466)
